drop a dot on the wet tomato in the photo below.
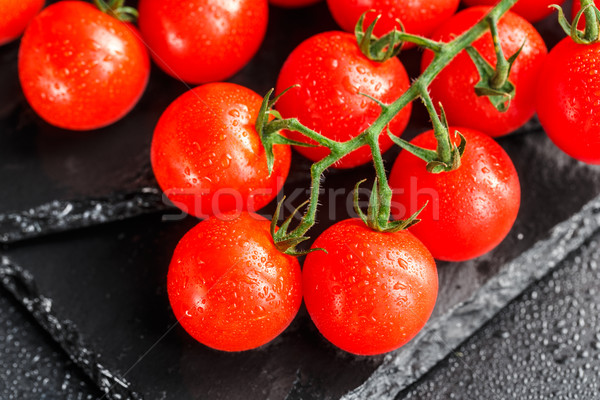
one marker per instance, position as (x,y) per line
(471,209)
(371,292)
(199,41)
(568,99)
(229,286)
(207,156)
(80,68)
(331,72)
(454,87)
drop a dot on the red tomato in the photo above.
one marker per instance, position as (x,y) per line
(531,10)
(419,17)
(568,99)
(575,10)
(229,286)
(331,71)
(80,68)
(14,17)
(200,41)
(293,3)
(454,86)
(371,292)
(471,209)
(208,157)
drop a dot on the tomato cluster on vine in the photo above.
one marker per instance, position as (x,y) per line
(222,152)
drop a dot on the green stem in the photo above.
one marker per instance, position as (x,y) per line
(502,66)
(591,22)
(384,190)
(444,53)
(420,41)
(293,124)
(444,146)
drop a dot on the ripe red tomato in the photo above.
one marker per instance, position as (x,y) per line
(293,3)
(371,292)
(229,286)
(470,209)
(419,17)
(14,17)
(80,68)
(531,10)
(208,157)
(200,41)
(568,99)
(454,86)
(331,71)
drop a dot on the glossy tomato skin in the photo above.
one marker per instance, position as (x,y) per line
(293,3)
(201,41)
(568,99)
(531,10)
(14,17)
(229,286)
(371,292)
(454,86)
(331,71)
(207,156)
(80,68)
(470,210)
(419,17)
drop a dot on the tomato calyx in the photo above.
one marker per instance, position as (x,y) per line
(448,154)
(494,81)
(591,32)
(117,9)
(269,124)
(374,211)
(374,48)
(389,45)
(285,241)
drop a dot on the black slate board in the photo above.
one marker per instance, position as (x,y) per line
(110,280)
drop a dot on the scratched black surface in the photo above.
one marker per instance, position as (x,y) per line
(110,280)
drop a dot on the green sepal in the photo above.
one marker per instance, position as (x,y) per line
(285,241)
(269,131)
(431,157)
(501,96)
(571,29)
(371,219)
(116,9)
(374,48)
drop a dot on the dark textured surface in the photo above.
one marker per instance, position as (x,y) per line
(31,365)
(22,286)
(544,345)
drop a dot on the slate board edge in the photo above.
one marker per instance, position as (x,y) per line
(21,285)
(61,216)
(445,333)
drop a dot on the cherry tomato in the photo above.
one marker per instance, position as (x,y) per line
(331,71)
(568,99)
(419,17)
(471,209)
(208,157)
(14,17)
(293,3)
(229,286)
(80,68)
(575,10)
(454,86)
(371,292)
(200,41)
(531,10)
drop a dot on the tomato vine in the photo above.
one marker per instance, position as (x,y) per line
(493,84)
